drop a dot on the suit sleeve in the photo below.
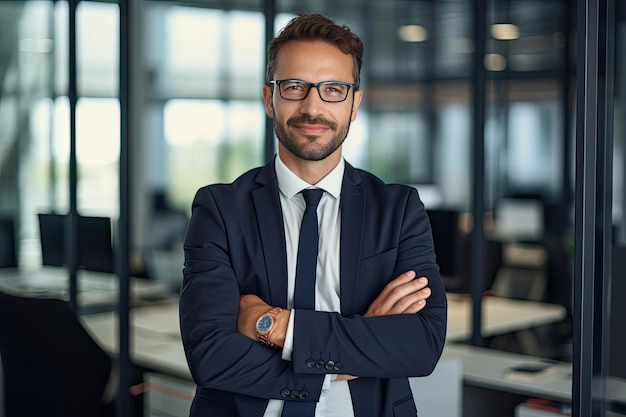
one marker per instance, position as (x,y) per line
(394,346)
(218,356)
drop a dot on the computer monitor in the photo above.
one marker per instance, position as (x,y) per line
(95,247)
(8,252)
(52,238)
(444,226)
(519,219)
(453,252)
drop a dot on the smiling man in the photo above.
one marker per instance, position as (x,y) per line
(316,126)
(310,287)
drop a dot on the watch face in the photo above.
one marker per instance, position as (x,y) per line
(264,324)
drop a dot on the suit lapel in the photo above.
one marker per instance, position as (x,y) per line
(352,218)
(272,232)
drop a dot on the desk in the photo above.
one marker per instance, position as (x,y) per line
(483,367)
(500,316)
(96,290)
(155,337)
(156,344)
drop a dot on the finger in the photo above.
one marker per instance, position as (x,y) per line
(415,307)
(412,303)
(402,286)
(396,283)
(405,303)
(401,291)
(402,279)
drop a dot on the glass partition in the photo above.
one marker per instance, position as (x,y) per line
(201,117)
(616,361)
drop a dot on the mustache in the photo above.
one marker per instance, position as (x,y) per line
(311,121)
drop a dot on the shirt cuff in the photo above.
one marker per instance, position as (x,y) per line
(288,346)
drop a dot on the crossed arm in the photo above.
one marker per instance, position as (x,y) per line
(218,324)
(404,295)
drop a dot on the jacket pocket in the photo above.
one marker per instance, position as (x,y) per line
(379,260)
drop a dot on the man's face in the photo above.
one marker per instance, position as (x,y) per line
(311,129)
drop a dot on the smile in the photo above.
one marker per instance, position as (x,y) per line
(315,129)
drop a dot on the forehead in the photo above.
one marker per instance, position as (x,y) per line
(313,61)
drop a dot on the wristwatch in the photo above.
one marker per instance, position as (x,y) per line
(264,326)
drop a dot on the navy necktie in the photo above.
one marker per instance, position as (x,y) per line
(304,295)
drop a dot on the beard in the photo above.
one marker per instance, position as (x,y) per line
(311,151)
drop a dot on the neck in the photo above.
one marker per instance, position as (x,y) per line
(310,171)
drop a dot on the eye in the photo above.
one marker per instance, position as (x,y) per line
(335,89)
(293,86)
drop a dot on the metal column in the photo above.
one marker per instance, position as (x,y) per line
(593,194)
(477,267)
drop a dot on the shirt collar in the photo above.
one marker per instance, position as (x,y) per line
(290,184)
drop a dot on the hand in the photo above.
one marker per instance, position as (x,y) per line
(344,377)
(403,295)
(251,308)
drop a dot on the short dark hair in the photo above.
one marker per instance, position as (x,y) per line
(312,26)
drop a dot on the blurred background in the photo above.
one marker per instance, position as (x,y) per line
(197,74)
(197,117)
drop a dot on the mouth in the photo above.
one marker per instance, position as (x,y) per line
(314,129)
(311,127)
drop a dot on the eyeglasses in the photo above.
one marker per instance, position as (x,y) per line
(329,91)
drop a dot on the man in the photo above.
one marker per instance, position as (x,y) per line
(378,312)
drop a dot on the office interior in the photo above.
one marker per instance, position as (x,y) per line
(506,115)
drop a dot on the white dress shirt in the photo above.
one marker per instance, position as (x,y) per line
(335,400)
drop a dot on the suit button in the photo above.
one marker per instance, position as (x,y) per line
(285,393)
(329,365)
(320,364)
(303,395)
(294,394)
(338,366)
(310,363)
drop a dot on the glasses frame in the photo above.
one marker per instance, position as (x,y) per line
(310,85)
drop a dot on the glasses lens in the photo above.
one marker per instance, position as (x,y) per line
(293,90)
(333,91)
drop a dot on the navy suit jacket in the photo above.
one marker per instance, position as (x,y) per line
(235,245)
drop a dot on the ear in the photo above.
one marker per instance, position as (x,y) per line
(267,99)
(358,96)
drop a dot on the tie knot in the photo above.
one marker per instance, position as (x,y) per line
(312,196)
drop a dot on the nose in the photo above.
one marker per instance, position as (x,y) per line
(312,104)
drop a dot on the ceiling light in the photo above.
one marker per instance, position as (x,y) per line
(412,33)
(504,31)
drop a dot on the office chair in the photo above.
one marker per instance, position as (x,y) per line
(52,367)
(522,276)
(492,262)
